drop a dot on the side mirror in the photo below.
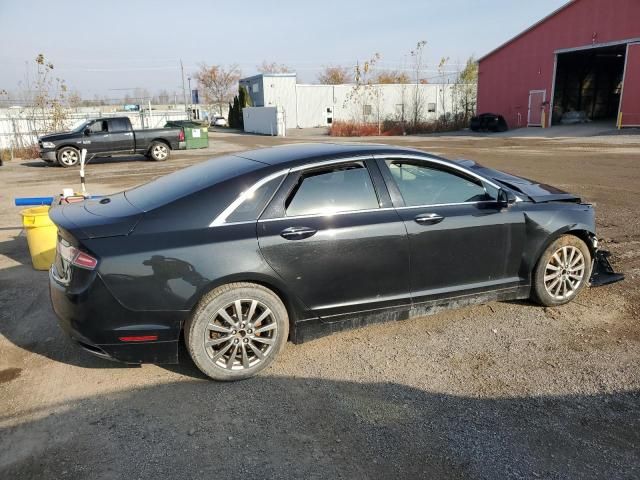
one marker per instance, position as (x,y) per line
(87,131)
(505,198)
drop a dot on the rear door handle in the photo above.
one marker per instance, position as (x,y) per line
(428,218)
(297,233)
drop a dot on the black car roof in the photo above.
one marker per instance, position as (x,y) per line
(301,153)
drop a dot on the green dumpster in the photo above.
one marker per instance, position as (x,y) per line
(196,135)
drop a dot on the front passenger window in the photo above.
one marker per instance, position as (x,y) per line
(338,188)
(420,184)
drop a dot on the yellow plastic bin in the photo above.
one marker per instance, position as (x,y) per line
(42,235)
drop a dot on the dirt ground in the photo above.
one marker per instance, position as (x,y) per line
(504,390)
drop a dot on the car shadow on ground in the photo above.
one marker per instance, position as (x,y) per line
(280,427)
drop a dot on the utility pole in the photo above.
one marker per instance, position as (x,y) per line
(190,97)
(184,91)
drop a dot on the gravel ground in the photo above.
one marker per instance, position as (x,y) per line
(503,390)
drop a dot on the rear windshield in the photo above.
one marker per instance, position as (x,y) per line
(184,182)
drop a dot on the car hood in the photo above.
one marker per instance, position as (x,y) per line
(56,136)
(536,192)
(96,218)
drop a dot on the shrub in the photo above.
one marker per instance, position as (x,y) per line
(352,129)
(446,123)
(25,153)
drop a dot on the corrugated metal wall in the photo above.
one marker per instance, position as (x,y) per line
(507,75)
(309,106)
(630,102)
(317,103)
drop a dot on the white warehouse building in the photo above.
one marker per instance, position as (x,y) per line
(295,105)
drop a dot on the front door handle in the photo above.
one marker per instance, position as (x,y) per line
(428,218)
(297,233)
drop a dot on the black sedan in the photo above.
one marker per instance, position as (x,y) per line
(242,252)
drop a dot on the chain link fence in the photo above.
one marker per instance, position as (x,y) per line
(21,128)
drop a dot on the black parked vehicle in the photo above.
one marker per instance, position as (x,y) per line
(109,137)
(488,122)
(246,251)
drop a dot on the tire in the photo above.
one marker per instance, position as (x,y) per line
(159,151)
(68,157)
(563,270)
(235,353)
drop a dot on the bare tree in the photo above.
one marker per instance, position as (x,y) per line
(392,77)
(48,112)
(162,98)
(272,67)
(218,84)
(334,75)
(467,88)
(442,69)
(365,93)
(418,101)
(141,95)
(75,100)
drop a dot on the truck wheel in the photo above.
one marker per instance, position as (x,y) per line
(562,271)
(159,151)
(68,157)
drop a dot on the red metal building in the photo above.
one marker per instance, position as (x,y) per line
(584,57)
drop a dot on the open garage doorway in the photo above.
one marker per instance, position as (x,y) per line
(588,83)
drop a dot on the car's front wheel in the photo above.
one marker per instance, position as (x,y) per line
(236,331)
(159,151)
(562,271)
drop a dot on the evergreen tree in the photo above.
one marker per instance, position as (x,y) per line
(237,113)
(245,98)
(230,118)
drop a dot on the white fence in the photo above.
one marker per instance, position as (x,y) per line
(19,128)
(264,120)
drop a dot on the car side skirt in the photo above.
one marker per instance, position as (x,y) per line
(311,329)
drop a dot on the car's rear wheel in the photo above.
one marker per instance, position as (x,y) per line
(236,331)
(68,156)
(562,271)
(159,151)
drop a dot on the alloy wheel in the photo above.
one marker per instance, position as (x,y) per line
(564,272)
(69,157)
(240,335)
(160,152)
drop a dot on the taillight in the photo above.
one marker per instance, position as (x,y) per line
(76,257)
(181,136)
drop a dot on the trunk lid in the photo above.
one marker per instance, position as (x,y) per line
(95,218)
(537,192)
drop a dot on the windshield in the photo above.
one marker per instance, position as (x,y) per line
(79,126)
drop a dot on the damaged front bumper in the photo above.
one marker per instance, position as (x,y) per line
(602,272)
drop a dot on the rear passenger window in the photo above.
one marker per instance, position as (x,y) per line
(421,184)
(339,188)
(118,125)
(253,205)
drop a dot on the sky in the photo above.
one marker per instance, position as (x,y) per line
(111,47)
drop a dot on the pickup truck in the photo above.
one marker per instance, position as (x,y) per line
(109,137)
